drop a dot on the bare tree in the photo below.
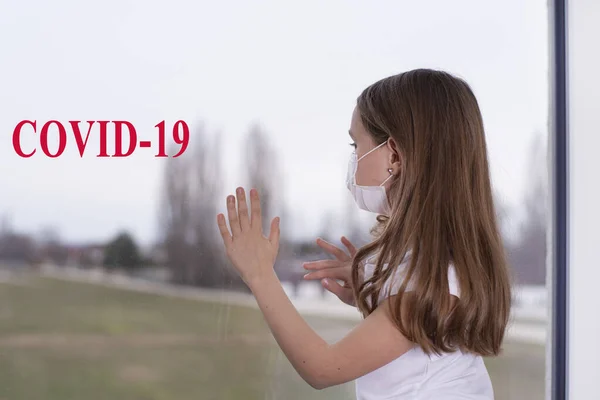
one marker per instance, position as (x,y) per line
(209,264)
(191,192)
(528,254)
(175,215)
(261,171)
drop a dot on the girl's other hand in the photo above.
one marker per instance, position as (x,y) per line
(330,270)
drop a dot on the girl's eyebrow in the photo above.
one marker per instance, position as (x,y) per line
(350,133)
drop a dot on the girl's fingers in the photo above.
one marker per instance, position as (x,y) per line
(256,217)
(335,251)
(234,221)
(274,234)
(335,273)
(341,292)
(224,230)
(242,209)
(349,246)
(320,264)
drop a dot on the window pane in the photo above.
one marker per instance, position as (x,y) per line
(114,282)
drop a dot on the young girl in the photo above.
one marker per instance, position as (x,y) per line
(433,285)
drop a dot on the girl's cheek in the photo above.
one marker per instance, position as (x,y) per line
(362,175)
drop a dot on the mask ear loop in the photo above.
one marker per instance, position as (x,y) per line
(372,150)
(388,178)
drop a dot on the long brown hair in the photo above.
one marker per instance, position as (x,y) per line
(442,211)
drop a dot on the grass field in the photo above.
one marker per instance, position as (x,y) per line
(75,341)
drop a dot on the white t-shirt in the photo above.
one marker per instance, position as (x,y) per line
(417,376)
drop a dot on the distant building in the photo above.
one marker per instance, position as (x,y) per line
(89,255)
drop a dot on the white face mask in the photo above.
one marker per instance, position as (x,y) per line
(368,198)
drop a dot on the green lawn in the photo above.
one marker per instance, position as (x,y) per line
(67,341)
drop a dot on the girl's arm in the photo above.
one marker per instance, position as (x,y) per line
(373,343)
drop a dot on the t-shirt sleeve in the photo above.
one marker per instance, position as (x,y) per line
(394,282)
(453,281)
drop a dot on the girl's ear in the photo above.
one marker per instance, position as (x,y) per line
(392,145)
(395,156)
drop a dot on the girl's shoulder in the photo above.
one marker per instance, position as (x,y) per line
(393,283)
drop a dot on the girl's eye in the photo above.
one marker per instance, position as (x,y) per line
(353,145)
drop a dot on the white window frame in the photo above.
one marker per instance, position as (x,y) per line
(573,347)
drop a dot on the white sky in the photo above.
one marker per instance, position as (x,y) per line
(297,67)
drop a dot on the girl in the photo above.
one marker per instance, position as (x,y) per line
(432,285)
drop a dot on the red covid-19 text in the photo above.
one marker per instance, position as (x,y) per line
(74,133)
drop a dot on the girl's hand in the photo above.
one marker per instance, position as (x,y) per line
(330,270)
(252,254)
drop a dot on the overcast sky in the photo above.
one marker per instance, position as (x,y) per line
(296,67)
